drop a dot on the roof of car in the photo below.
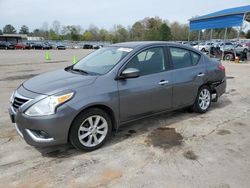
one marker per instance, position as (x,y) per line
(141,44)
(135,44)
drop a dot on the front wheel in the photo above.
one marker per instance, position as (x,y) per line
(203,100)
(90,130)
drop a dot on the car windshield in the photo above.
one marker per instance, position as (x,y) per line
(103,60)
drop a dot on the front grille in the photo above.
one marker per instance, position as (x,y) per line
(18,101)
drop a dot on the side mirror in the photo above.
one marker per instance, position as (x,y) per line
(130,73)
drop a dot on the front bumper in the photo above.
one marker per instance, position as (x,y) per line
(46,130)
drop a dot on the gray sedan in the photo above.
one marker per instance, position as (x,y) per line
(112,86)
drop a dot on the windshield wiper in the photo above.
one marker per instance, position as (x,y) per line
(78,70)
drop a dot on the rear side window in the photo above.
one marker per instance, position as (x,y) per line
(183,58)
(195,58)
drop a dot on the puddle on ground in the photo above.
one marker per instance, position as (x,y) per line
(240,124)
(164,137)
(190,155)
(130,133)
(230,77)
(19,77)
(223,132)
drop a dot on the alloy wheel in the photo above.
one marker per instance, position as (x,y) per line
(204,99)
(93,131)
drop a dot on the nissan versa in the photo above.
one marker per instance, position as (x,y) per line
(114,85)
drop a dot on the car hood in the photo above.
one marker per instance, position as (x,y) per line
(57,81)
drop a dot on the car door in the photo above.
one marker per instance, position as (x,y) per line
(188,74)
(151,91)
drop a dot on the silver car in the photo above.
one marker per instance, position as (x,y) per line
(83,103)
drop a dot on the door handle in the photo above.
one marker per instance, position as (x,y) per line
(200,74)
(163,82)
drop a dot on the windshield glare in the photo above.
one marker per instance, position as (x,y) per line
(103,60)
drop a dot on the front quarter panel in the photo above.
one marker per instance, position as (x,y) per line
(102,92)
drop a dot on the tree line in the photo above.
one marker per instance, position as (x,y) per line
(149,28)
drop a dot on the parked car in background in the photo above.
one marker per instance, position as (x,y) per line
(226,45)
(97,47)
(203,47)
(41,46)
(22,45)
(112,86)
(60,47)
(47,46)
(6,45)
(87,46)
(241,48)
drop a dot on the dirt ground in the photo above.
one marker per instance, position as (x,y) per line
(177,149)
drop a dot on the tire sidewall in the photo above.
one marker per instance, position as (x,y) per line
(197,107)
(228,57)
(73,135)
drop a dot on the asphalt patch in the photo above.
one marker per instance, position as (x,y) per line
(18,77)
(190,155)
(132,131)
(230,91)
(223,132)
(165,138)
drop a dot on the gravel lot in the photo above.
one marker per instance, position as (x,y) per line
(177,149)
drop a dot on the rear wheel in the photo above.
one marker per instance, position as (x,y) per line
(203,100)
(90,130)
(228,57)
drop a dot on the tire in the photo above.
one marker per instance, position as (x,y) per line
(228,57)
(85,137)
(203,50)
(203,100)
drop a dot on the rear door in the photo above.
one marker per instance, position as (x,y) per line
(151,91)
(188,74)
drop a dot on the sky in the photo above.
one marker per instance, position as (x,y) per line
(105,13)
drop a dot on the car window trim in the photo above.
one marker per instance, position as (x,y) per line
(122,68)
(187,49)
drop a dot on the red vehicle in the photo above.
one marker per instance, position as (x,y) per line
(21,46)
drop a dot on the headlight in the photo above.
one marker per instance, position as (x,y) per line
(47,106)
(12,97)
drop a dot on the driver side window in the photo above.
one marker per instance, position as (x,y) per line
(149,61)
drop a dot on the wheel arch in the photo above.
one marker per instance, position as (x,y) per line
(105,108)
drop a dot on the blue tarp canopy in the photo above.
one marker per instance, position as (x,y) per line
(222,19)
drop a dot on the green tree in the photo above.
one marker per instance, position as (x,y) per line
(122,33)
(53,35)
(137,31)
(95,32)
(1,32)
(104,35)
(179,31)
(152,28)
(248,34)
(24,30)
(88,36)
(9,29)
(74,33)
(165,32)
